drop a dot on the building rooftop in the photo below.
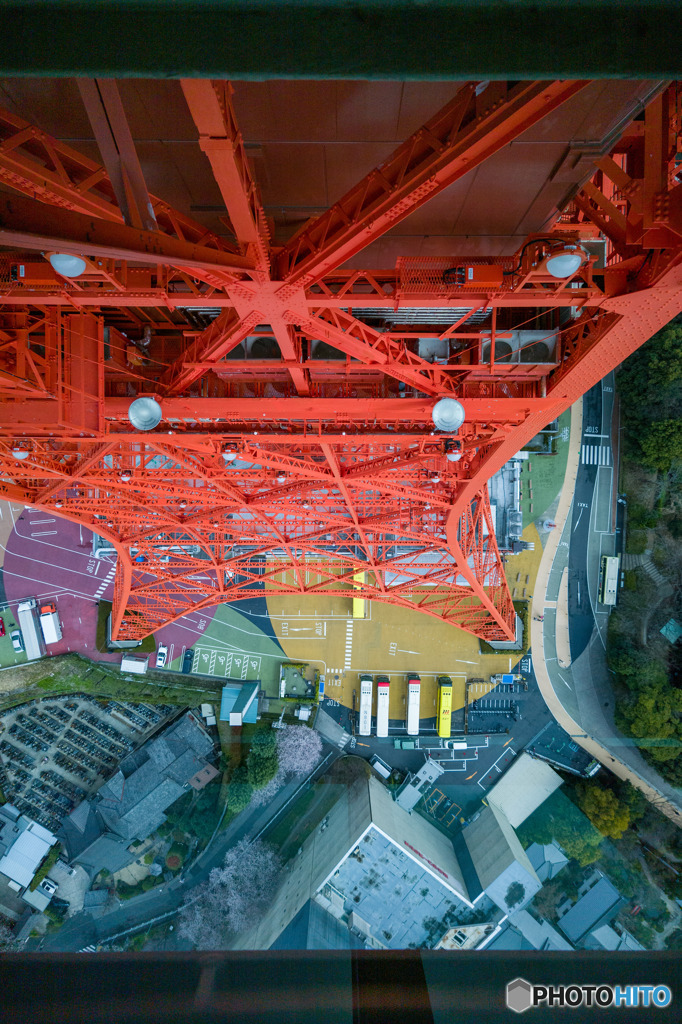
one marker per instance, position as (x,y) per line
(499,859)
(239,700)
(26,845)
(547,860)
(525,785)
(599,905)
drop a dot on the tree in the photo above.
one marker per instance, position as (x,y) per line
(515,894)
(234,896)
(661,443)
(559,819)
(604,809)
(298,749)
(7,940)
(262,761)
(653,714)
(239,790)
(263,796)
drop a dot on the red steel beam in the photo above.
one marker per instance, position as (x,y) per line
(210,105)
(25,223)
(449,145)
(105,111)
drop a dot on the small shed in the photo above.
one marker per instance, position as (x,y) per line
(134,663)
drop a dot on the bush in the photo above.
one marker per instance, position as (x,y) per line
(636,542)
(262,762)
(48,863)
(148,858)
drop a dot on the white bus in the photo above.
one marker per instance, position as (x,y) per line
(382,706)
(608,579)
(26,614)
(365,716)
(413,691)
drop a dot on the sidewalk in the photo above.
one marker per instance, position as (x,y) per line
(577,694)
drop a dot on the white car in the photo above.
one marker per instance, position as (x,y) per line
(17,640)
(161,656)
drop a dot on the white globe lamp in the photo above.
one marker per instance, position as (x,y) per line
(448,415)
(67,265)
(145,413)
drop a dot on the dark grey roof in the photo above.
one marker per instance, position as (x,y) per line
(79,835)
(134,760)
(106,852)
(466,864)
(599,904)
(132,802)
(95,898)
(315,928)
(509,938)
(145,814)
(185,767)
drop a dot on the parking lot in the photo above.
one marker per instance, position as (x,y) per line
(55,752)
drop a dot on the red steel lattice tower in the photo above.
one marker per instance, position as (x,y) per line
(322,467)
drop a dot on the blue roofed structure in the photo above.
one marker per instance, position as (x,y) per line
(239,704)
(599,905)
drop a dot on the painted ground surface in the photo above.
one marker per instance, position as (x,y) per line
(51,559)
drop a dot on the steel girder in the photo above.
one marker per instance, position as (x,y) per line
(299,473)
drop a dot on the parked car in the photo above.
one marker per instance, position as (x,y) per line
(2,627)
(187,661)
(161,656)
(17,640)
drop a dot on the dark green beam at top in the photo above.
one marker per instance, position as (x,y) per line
(421,39)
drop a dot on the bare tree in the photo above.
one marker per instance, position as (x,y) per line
(233,897)
(7,940)
(299,749)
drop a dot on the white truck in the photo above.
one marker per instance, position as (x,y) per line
(50,625)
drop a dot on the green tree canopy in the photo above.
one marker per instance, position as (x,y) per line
(262,762)
(661,443)
(239,790)
(604,809)
(515,894)
(560,820)
(653,714)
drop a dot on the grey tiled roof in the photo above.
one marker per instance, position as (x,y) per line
(598,905)
(132,802)
(107,852)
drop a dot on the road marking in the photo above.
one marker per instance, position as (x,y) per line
(349,643)
(563,680)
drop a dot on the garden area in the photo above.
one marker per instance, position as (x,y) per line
(645,664)
(607,824)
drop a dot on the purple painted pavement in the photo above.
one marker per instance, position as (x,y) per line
(51,559)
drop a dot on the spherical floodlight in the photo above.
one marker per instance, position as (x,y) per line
(565,263)
(281,478)
(67,265)
(145,413)
(229,456)
(448,414)
(453,456)
(125,477)
(20,453)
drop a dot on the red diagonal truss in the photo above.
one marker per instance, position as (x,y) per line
(315,464)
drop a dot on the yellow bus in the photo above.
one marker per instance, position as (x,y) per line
(359,603)
(444,706)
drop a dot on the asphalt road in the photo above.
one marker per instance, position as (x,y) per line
(82,930)
(591,522)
